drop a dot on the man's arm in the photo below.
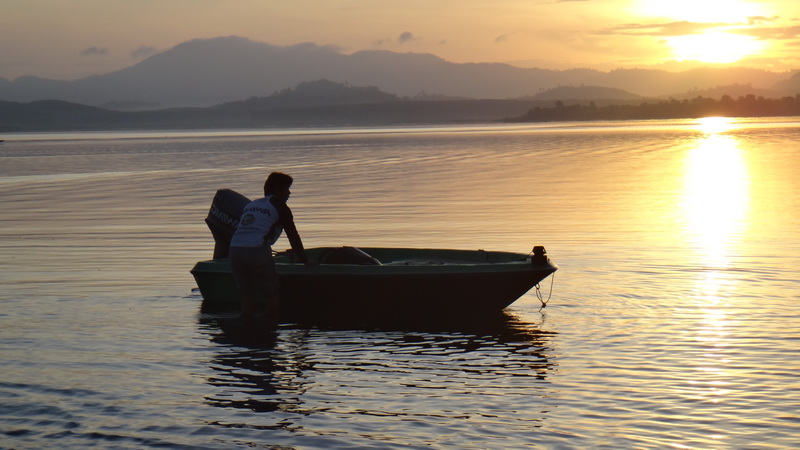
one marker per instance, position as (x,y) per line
(287,222)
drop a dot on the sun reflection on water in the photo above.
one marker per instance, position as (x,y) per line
(716,197)
(715,205)
(713,125)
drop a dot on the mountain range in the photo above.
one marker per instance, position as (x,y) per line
(315,103)
(207,72)
(326,103)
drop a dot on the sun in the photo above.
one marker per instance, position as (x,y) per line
(725,23)
(714,47)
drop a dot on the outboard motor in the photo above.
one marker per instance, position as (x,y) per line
(226,209)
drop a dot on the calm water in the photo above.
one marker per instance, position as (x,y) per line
(673,320)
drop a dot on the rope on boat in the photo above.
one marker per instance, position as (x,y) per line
(550,294)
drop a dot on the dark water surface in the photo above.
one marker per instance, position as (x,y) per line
(673,320)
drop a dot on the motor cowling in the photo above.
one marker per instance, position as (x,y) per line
(226,210)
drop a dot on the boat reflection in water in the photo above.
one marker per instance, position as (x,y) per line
(330,368)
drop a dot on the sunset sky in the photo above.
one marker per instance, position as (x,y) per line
(68,39)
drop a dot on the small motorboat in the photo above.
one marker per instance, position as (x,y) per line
(374,282)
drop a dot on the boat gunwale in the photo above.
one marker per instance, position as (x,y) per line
(416,261)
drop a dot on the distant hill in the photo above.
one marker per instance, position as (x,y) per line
(744,106)
(130,105)
(45,115)
(733,91)
(325,103)
(206,72)
(317,103)
(314,93)
(584,93)
(789,86)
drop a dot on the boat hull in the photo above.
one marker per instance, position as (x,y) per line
(407,282)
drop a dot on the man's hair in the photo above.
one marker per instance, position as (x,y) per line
(277,180)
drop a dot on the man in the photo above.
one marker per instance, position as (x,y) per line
(259,228)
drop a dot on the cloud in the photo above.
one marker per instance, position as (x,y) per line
(758,27)
(500,39)
(94,51)
(405,37)
(681,28)
(782,33)
(758,20)
(143,52)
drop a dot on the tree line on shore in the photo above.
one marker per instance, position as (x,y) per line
(744,106)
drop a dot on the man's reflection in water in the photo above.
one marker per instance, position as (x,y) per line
(266,369)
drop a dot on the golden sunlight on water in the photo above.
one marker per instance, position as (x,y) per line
(672,322)
(716,205)
(716,196)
